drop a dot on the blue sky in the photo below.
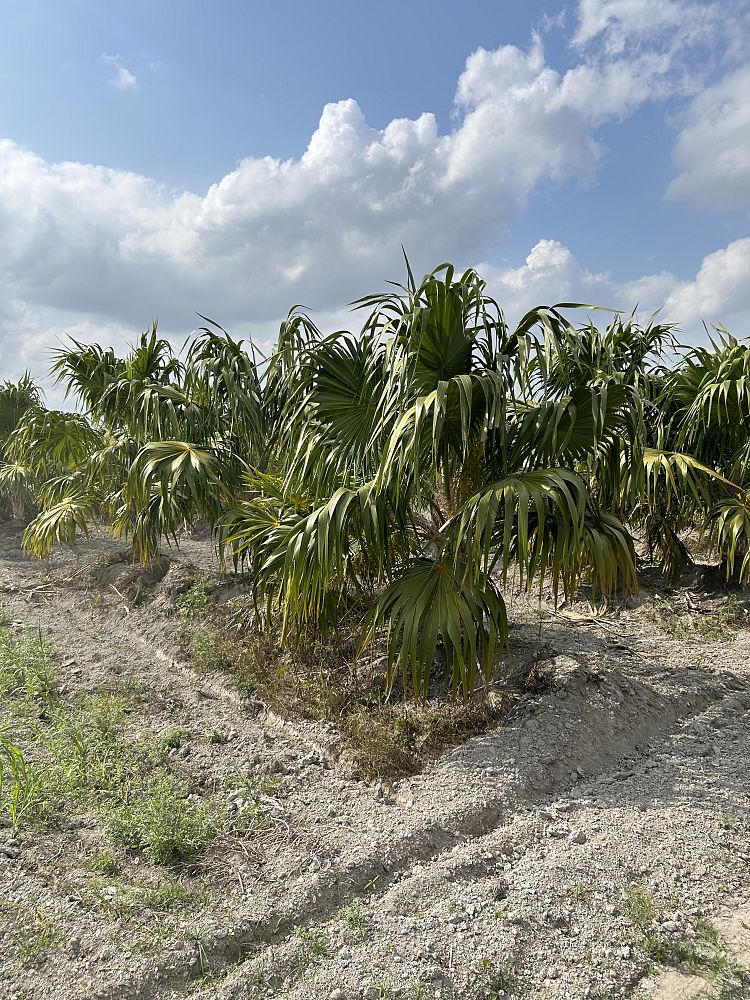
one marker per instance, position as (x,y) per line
(162,158)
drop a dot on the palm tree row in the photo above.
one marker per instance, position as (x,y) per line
(406,469)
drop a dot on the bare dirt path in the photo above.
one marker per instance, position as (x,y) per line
(597,839)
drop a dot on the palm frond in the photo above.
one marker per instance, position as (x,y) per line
(729,524)
(61,523)
(438,602)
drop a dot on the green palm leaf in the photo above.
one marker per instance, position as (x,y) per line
(433,602)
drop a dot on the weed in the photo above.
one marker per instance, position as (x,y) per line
(201,954)
(355,917)
(414,991)
(27,667)
(491,978)
(708,627)
(83,752)
(163,824)
(252,801)
(194,603)
(174,737)
(88,753)
(217,737)
(580,893)
(105,711)
(19,781)
(209,655)
(371,885)
(33,930)
(314,947)
(640,907)
(700,950)
(103,862)
(727,821)
(124,898)
(393,740)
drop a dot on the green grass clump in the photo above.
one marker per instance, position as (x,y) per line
(354,916)
(19,782)
(641,908)
(27,669)
(314,947)
(30,930)
(162,823)
(89,753)
(195,602)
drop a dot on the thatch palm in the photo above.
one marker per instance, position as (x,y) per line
(16,482)
(159,445)
(707,399)
(415,467)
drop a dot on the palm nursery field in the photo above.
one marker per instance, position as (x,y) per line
(404,662)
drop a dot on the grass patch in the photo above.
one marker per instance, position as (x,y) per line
(27,668)
(699,950)
(120,897)
(386,741)
(162,824)
(709,627)
(31,930)
(86,756)
(354,917)
(19,783)
(641,908)
(313,947)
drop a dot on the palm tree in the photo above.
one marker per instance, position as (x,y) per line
(159,444)
(416,467)
(16,399)
(708,401)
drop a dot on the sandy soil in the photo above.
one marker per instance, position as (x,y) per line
(508,869)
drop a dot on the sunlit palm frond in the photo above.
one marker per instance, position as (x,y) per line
(60,523)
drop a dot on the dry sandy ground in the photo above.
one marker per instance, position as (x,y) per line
(542,859)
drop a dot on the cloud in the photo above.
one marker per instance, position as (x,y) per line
(102,251)
(719,293)
(123,78)
(713,149)
(95,240)
(617,25)
(551,274)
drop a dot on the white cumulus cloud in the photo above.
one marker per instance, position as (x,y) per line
(713,149)
(718,294)
(98,251)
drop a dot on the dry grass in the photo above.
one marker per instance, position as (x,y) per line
(326,677)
